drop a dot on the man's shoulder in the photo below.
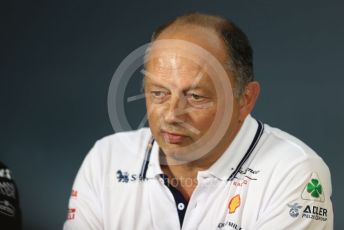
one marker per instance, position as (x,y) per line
(285,159)
(126,138)
(122,147)
(280,146)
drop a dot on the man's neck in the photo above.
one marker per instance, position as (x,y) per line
(183,170)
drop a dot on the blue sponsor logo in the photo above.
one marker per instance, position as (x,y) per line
(125,177)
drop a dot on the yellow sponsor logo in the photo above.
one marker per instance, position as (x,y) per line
(234,203)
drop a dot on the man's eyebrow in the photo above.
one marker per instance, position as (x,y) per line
(147,74)
(150,76)
(195,83)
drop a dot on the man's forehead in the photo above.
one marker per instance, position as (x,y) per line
(186,48)
(182,64)
(175,61)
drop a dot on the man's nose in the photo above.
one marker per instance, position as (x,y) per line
(176,111)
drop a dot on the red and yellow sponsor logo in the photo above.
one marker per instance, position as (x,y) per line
(74,193)
(234,203)
(71,214)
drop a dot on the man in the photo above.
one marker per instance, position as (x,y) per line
(204,162)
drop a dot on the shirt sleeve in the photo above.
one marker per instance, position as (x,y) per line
(299,197)
(84,210)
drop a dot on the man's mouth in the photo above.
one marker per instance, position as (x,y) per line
(173,138)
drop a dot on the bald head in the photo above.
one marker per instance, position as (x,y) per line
(223,37)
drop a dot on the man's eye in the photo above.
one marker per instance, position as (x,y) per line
(158,94)
(195,97)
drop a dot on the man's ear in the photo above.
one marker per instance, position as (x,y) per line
(248,99)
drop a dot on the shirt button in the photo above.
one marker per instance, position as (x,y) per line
(181,206)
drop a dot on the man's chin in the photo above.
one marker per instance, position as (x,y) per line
(177,155)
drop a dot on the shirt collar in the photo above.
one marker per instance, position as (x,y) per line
(229,160)
(154,168)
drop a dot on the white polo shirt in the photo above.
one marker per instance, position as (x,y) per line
(266,179)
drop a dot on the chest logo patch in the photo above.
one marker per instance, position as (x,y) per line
(125,177)
(234,203)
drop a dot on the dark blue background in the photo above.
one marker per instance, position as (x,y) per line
(58,58)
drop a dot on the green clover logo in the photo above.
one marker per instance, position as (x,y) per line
(314,188)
